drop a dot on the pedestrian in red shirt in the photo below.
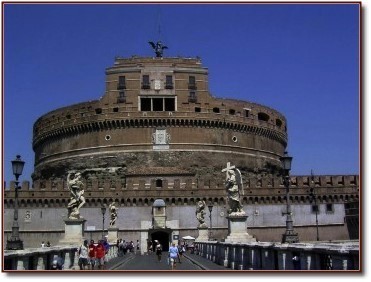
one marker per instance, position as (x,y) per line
(99,254)
(92,255)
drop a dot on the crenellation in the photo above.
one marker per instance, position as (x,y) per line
(25,185)
(300,181)
(347,180)
(36,185)
(117,183)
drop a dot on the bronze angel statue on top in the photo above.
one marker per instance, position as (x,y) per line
(158,48)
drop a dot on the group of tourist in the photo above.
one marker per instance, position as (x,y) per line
(43,245)
(91,255)
(175,253)
(124,247)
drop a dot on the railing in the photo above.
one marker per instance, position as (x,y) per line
(277,256)
(41,258)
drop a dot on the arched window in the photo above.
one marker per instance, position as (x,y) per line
(263,117)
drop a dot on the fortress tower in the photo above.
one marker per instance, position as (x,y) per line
(158,115)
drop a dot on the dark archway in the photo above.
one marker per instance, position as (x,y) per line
(163,236)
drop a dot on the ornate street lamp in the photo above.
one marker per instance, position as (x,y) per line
(289,236)
(15,243)
(103,210)
(314,197)
(210,206)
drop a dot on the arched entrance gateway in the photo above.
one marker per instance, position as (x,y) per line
(159,228)
(162,235)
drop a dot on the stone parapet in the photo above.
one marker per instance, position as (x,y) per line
(297,182)
(277,256)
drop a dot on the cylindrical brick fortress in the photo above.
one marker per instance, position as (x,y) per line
(158,112)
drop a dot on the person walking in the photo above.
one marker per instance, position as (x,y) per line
(57,263)
(83,255)
(158,249)
(100,254)
(91,254)
(180,252)
(137,247)
(173,255)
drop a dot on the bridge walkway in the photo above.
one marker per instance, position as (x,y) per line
(189,262)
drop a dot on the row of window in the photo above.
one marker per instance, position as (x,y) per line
(329,208)
(146,103)
(167,104)
(146,82)
(161,104)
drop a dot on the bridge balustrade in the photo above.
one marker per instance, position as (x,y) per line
(41,258)
(277,256)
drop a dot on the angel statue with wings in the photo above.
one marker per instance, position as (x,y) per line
(77,200)
(233,185)
(158,48)
(200,214)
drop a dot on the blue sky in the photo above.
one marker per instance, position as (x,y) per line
(302,60)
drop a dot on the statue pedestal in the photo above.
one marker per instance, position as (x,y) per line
(73,231)
(112,235)
(237,233)
(203,234)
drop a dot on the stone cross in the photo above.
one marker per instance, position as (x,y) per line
(229,167)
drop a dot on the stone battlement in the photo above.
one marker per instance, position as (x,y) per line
(323,181)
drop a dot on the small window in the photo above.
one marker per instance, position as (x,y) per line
(232,112)
(122,83)
(158,105)
(98,111)
(216,110)
(192,82)
(329,207)
(145,104)
(169,82)
(158,183)
(121,98)
(68,116)
(169,104)
(145,82)
(247,112)
(192,98)
(197,110)
(263,117)
(115,110)
(278,122)
(315,208)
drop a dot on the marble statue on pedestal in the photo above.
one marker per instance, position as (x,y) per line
(113,214)
(200,214)
(77,200)
(234,188)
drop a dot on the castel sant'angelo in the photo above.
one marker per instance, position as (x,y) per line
(157,133)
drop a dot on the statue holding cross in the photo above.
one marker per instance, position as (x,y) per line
(234,187)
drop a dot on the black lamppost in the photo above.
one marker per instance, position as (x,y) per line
(314,197)
(211,223)
(15,243)
(289,236)
(103,210)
